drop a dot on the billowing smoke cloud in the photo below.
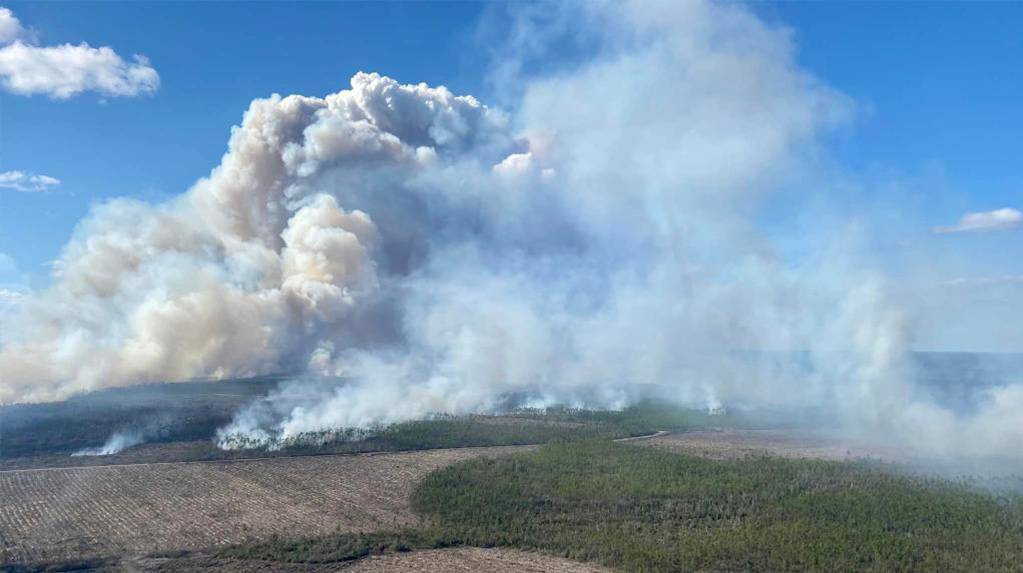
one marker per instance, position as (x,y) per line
(604,234)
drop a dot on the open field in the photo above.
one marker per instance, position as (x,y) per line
(643,509)
(602,504)
(736,443)
(745,444)
(469,560)
(76,513)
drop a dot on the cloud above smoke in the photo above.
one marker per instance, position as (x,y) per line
(997,220)
(599,236)
(27,182)
(65,70)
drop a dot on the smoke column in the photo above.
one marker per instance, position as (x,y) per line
(117,442)
(603,231)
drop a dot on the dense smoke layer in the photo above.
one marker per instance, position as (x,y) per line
(604,234)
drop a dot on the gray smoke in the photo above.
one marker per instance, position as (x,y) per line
(604,233)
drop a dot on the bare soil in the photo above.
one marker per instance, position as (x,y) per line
(469,560)
(456,560)
(58,514)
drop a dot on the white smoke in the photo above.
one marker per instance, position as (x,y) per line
(117,442)
(603,234)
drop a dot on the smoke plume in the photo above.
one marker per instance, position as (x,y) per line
(604,232)
(117,442)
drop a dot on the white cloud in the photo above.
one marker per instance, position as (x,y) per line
(997,220)
(27,182)
(11,28)
(66,70)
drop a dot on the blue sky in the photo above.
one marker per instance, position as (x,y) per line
(935,82)
(936,135)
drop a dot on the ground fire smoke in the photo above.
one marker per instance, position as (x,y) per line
(117,442)
(600,232)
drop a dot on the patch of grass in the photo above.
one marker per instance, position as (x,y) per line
(642,510)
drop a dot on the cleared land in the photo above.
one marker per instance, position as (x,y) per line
(737,444)
(76,513)
(469,560)
(453,560)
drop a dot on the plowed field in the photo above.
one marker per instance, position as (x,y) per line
(75,513)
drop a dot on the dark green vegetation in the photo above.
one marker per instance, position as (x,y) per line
(171,412)
(341,546)
(637,509)
(178,421)
(450,432)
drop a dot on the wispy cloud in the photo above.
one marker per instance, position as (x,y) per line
(10,296)
(997,220)
(27,182)
(66,70)
(985,281)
